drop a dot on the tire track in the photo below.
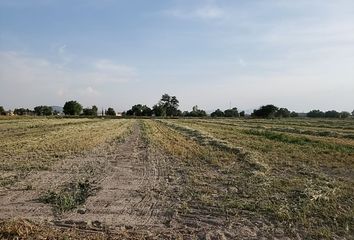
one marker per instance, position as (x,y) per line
(127,197)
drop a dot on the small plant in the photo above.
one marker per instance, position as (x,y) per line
(69,198)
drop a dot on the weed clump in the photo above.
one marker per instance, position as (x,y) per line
(70,197)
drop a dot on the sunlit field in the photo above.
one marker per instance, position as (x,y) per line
(210,178)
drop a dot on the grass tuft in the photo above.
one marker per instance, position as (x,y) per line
(69,198)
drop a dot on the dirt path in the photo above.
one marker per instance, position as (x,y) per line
(127,196)
(127,177)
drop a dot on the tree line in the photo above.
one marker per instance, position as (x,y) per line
(168,106)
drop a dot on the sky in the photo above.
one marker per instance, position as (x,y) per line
(211,53)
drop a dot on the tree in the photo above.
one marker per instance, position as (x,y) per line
(344,114)
(294,114)
(231,112)
(90,111)
(2,111)
(110,112)
(72,108)
(43,111)
(267,111)
(242,113)
(217,113)
(94,110)
(283,112)
(167,106)
(195,112)
(353,113)
(332,114)
(23,111)
(159,110)
(315,114)
(139,110)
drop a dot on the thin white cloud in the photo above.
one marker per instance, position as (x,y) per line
(207,12)
(42,80)
(89,92)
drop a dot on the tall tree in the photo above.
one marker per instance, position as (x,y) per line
(167,106)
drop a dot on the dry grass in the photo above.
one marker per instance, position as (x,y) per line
(276,177)
(35,144)
(307,188)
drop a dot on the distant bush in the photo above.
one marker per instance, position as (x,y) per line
(23,111)
(283,112)
(195,112)
(43,111)
(332,114)
(110,112)
(90,111)
(139,110)
(267,111)
(217,113)
(233,112)
(294,114)
(344,114)
(327,114)
(315,114)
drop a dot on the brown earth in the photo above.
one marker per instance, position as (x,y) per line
(134,199)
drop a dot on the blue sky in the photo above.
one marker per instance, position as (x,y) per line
(295,54)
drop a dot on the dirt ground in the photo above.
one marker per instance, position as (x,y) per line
(135,186)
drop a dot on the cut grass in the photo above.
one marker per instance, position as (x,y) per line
(299,140)
(294,195)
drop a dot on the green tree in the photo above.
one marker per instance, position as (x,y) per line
(110,112)
(196,112)
(267,111)
(72,108)
(23,111)
(167,106)
(159,110)
(283,112)
(332,114)
(233,112)
(344,114)
(315,114)
(242,114)
(2,111)
(294,114)
(43,110)
(217,113)
(94,110)
(139,110)
(90,111)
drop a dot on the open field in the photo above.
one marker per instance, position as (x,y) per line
(177,178)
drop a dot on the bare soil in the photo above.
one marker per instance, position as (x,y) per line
(136,197)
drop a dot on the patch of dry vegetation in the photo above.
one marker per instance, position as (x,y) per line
(308,189)
(35,144)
